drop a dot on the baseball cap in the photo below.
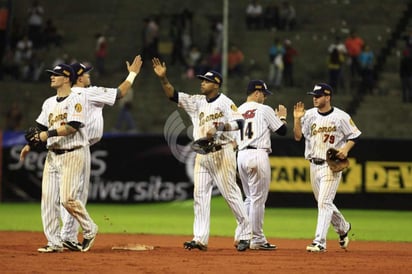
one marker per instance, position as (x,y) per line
(257,85)
(212,76)
(80,69)
(62,70)
(321,89)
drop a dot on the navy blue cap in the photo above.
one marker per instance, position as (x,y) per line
(80,69)
(321,89)
(212,76)
(62,70)
(257,85)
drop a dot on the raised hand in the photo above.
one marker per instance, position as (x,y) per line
(159,67)
(298,110)
(136,65)
(281,111)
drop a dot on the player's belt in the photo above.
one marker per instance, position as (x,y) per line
(317,161)
(62,151)
(250,147)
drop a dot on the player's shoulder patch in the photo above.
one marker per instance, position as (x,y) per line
(78,107)
(233,107)
(351,122)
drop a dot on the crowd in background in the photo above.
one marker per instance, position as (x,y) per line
(349,60)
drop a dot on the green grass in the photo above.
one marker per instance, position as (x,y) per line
(176,218)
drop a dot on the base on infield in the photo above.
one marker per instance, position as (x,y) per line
(134,247)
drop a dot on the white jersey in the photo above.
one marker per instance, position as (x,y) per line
(55,114)
(323,131)
(206,115)
(260,121)
(96,98)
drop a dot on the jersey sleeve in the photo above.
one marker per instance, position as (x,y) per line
(233,112)
(76,109)
(189,102)
(349,129)
(273,121)
(101,95)
(43,116)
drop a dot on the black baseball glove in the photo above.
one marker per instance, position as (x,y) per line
(32,136)
(204,145)
(335,164)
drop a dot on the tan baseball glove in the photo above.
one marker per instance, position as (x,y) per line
(335,164)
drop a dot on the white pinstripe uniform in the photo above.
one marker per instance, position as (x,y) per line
(253,162)
(217,167)
(96,98)
(322,132)
(63,170)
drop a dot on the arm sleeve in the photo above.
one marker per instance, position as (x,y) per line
(75,124)
(282,130)
(175,97)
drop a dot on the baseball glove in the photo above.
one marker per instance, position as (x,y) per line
(204,145)
(33,138)
(335,164)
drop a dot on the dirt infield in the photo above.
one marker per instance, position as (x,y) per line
(18,254)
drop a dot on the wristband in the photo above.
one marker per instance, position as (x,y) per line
(282,117)
(52,133)
(131,76)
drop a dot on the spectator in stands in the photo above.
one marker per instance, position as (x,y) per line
(101,53)
(405,73)
(366,62)
(9,65)
(287,16)
(235,59)
(4,17)
(408,39)
(214,60)
(35,23)
(288,60)
(336,61)
(354,45)
(193,61)
(14,117)
(176,35)
(271,17)
(215,37)
(254,15)
(125,121)
(276,65)
(51,34)
(23,57)
(150,39)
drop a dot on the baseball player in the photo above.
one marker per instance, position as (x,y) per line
(325,126)
(61,122)
(253,160)
(96,98)
(210,112)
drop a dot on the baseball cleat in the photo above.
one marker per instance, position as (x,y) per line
(73,246)
(242,245)
(344,239)
(193,244)
(266,246)
(88,243)
(50,249)
(314,247)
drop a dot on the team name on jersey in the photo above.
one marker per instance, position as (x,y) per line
(53,119)
(249,114)
(315,130)
(208,118)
